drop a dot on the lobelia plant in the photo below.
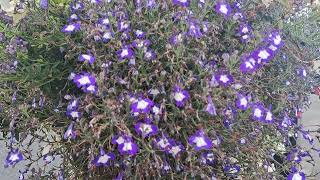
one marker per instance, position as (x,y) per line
(172,89)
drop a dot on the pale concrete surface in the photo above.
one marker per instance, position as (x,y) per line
(310,120)
(10,173)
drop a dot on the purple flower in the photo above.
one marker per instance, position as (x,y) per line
(125,53)
(258,112)
(243,141)
(44,4)
(296,176)
(150,55)
(70,133)
(176,39)
(246,38)
(165,166)
(75,6)
(107,36)
(156,110)
(242,102)
(84,79)
(164,143)
(104,21)
(151,4)
(269,116)
(128,147)
(73,17)
(307,137)
(48,158)
(208,158)
(74,114)
(210,108)
(302,72)
(71,28)
(13,157)
(140,34)
(104,158)
(92,88)
(244,29)
(248,64)
(142,105)
(146,129)
(73,105)
(95,1)
(286,122)
(194,29)
(175,150)
(183,3)
(123,26)
(120,139)
(224,78)
(263,54)
(231,169)
(200,141)
(180,96)
(223,8)
(294,155)
(86,57)
(141,43)
(275,39)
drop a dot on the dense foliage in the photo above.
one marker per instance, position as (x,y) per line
(173,89)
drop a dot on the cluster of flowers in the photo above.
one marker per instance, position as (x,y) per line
(145,107)
(129,41)
(262,55)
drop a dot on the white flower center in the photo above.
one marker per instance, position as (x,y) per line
(248,65)
(296,176)
(257,112)
(273,48)
(183,1)
(127,146)
(146,128)
(245,37)
(14,157)
(70,27)
(138,32)
(107,35)
(175,150)
(155,110)
(105,21)
(263,54)
(86,56)
(233,170)
(103,159)
(277,40)
(77,6)
(120,140)
(304,73)
(163,143)
(179,96)
(243,101)
(74,114)
(73,16)
(269,116)
(142,104)
(200,142)
(223,9)
(91,88)
(84,80)
(245,30)
(252,61)
(224,78)
(124,53)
